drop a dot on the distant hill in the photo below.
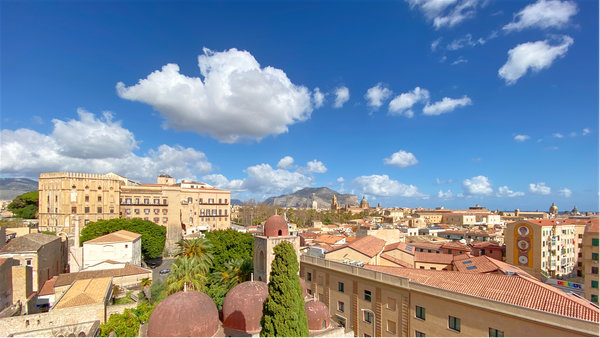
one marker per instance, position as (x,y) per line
(13,187)
(304,198)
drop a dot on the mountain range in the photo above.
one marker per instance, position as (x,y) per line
(13,187)
(304,198)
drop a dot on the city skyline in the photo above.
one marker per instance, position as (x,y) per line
(411,103)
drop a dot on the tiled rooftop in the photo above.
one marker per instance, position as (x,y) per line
(515,290)
(29,242)
(85,292)
(432,257)
(115,237)
(129,270)
(368,245)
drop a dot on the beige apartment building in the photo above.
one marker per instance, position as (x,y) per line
(388,301)
(590,261)
(544,247)
(186,207)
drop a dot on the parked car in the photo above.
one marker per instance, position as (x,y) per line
(165,271)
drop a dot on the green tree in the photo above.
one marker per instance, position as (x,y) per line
(235,271)
(229,245)
(283,311)
(25,205)
(127,323)
(187,273)
(199,248)
(153,235)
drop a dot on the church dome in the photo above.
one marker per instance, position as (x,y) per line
(276,226)
(243,305)
(317,314)
(553,209)
(184,314)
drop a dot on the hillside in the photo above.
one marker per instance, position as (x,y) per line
(13,187)
(304,198)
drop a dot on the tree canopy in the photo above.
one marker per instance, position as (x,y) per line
(153,235)
(127,324)
(25,205)
(283,311)
(229,245)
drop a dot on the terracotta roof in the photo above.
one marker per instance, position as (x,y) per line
(405,247)
(328,239)
(308,235)
(426,245)
(515,290)
(396,261)
(324,246)
(85,292)
(350,239)
(432,257)
(368,245)
(456,246)
(29,242)
(129,270)
(48,287)
(593,227)
(115,237)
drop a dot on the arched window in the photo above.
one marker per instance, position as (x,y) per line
(324,324)
(279,233)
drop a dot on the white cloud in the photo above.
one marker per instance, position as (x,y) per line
(315,166)
(402,104)
(533,56)
(466,41)
(25,152)
(445,195)
(266,180)
(340,180)
(375,95)
(478,185)
(435,44)
(504,191)
(521,138)
(318,98)
(586,131)
(286,162)
(445,12)
(565,192)
(221,182)
(543,14)
(342,95)
(90,137)
(558,135)
(235,100)
(401,159)
(445,105)
(539,188)
(459,61)
(382,185)
(440,182)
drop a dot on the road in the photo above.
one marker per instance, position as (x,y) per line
(161,264)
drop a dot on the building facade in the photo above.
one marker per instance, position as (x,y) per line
(120,246)
(391,302)
(590,261)
(186,207)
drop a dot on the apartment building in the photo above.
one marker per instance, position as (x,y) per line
(394,301)
(188,206)
(590,261)
(544,247)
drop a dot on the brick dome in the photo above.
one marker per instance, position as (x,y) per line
(184,314)
(243,305)
(276,226)
(317,314)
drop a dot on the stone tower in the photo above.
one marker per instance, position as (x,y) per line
(335,205)
(275,231)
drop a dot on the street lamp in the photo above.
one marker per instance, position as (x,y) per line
(374,318)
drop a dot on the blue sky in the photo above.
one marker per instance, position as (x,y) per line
(412,103)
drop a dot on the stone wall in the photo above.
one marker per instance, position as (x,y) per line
(54,318)
(119,308)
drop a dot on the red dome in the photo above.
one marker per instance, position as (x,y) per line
(317,314)
(184,314)
(276,226)
(243,305)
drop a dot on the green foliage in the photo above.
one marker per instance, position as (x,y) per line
(283,311)
(187,273)
(145,282)
(235,271)
(199,248)
(229,245)
(128,323)
(158,291)
(25,205)
(217,292)
(153,235)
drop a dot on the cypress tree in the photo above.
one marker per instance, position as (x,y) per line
(283,311)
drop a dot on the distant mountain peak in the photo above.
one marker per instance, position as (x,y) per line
(305,196)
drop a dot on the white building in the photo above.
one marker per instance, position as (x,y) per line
(120,246)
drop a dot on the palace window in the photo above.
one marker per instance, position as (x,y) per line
(420,312)
(454,323)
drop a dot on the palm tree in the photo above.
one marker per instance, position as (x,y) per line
(196,247)
(186,273)
(235,271)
